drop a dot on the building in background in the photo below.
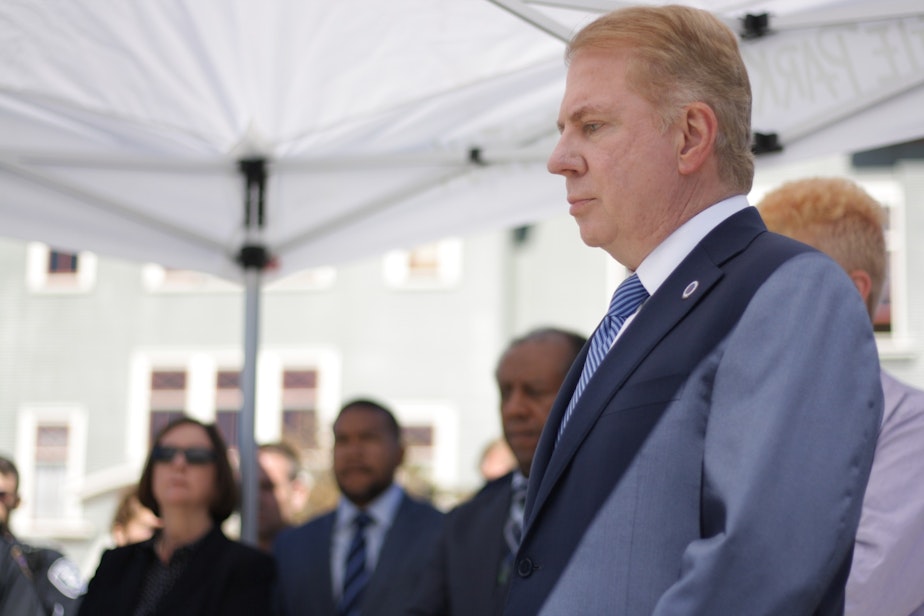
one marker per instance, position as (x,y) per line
(96,353)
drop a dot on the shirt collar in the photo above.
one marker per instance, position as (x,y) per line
(665,258)
(518,480)
(382,510)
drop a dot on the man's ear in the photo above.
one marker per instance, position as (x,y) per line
(862,281)
(698,129)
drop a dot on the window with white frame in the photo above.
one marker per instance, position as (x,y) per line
(51,447)
(50,454)
(206,385)
(434,265)
(431,449)
(890,320)
(159,279)
(313,279)
(49,270)
(228,402)
(167,399)
(299,408)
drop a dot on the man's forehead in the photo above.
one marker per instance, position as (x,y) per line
(361,418)
(7,481)
(533,354)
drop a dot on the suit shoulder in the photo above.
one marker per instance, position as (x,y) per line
(493,490)
(781,246)
(315,530)
(420,506)
(421,511)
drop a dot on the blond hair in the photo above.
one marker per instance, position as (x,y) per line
(836,216)
(680,55)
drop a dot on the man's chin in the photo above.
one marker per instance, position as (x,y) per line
(361,496)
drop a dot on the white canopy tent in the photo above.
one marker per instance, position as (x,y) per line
(293,133)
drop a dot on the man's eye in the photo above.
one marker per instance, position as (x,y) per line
(591,127)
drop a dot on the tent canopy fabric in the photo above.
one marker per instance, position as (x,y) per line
(184,132)
(122,125)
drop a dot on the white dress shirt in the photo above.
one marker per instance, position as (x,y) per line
(664,259)
(382,511)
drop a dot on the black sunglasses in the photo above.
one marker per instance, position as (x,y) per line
(193,455)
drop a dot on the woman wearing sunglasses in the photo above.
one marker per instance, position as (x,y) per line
(188,567)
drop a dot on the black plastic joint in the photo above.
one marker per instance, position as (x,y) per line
(253,256)
(764,143)
(755,26)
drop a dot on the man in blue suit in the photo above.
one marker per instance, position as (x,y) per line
(366,556)
(471,564)
(709,450)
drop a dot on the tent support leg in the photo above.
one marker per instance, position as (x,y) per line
(253,258)
(246,427)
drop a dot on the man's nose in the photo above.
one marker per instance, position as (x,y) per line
(564,160)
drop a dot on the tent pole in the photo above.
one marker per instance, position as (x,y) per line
(253,258)
(246,427)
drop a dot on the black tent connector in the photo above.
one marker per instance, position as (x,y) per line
(253,256)
(764,143)
(755,26)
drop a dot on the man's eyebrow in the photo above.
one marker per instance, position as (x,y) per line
(578,114)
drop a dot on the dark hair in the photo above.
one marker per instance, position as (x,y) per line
(574,341)
(8,468)
(226,500)
(372,405)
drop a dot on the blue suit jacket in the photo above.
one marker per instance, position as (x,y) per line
(303,556)
(463,577)
(716,462)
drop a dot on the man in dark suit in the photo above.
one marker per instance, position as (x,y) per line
(33,580)
(470,568)
(365,557)
(709,450)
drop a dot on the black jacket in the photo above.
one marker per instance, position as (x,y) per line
(223,577)
(36,581)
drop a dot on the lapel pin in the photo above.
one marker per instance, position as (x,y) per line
(691,289)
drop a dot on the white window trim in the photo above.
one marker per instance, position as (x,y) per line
(154,279)
(37,276)
(327,362)
(202,367)
(31,416)
(444,418)
(397,271)
(890,194)
(313,279)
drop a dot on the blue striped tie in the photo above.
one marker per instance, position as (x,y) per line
(513,528)
(626,300)
(356,575)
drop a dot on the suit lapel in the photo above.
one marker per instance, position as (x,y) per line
(319,576)
(391,554)
(546,445)
(671,303)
